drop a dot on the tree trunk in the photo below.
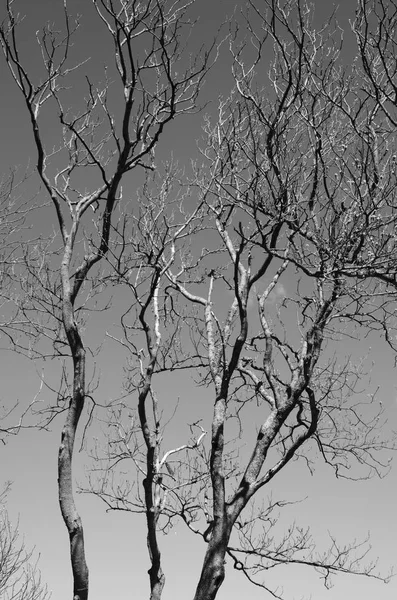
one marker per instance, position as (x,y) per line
(65,481)
(213,571)
(156,575)
(157,581)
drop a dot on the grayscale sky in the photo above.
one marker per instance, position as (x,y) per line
(115,542)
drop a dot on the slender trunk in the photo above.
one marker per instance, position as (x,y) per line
(213,570)
(157,581)
(156,575)
(65,480)
(152,502)
(152,481)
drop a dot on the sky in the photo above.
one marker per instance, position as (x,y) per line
(115,542)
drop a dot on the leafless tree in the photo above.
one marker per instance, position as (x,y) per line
(150,238)
(253,274)
(298,209)
(15,231)
(109,139)
(19,576)
(10,219)
(303,199)
(375,29)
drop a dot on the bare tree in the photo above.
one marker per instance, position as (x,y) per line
(19,576)
(150,238)
(375,29)
(303,199)
(10,220)
(157,84)
(297,193)
(253,274)
(15,212)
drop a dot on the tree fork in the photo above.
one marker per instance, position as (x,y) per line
(213,571)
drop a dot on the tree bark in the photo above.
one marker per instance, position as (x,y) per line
(213,571)
(65,483)
(156,575)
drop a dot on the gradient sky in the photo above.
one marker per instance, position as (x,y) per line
(115,543)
